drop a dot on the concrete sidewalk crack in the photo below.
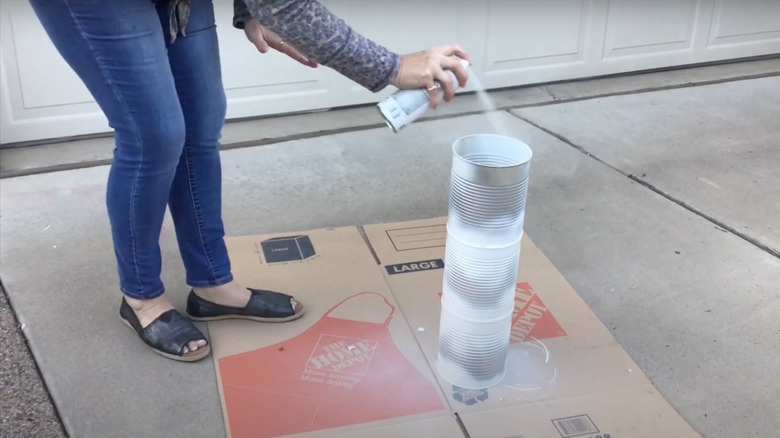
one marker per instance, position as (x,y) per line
(550,93)
(718,224)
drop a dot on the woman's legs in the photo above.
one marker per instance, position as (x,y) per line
(117,48)
(195,198)
(196,193)
(159,100)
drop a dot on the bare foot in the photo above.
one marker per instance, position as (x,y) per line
(234,295)
(148,310)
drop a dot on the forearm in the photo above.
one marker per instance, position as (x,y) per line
(327,39)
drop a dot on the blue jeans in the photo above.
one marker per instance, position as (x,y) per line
(166,105)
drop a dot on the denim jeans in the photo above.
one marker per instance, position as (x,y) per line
(166,105)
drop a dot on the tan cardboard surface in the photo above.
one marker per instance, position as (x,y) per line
(567,376)
(629,413)
(361,361)
(350,367)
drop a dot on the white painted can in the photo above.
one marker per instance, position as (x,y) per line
(488,190)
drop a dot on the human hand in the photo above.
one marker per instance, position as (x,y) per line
(264,38)
(425,69)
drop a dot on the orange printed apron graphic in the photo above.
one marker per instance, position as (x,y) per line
(531,319)
(337,373)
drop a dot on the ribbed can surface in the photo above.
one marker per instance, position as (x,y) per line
(473,354)
(489,184)
(478,281)
(488,189)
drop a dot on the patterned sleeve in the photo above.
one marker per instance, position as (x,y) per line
(240,14)
(325,38)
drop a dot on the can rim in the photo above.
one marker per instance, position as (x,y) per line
(506,143)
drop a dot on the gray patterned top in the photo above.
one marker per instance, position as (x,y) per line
(314,31)
(323,37)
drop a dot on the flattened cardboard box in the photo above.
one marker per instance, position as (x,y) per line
(350,367)
(567,375)
(361,361)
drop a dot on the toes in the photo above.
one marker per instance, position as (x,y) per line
(297,306)
(193,347)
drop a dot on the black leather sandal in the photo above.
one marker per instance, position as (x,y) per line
(263,306)
(167,335)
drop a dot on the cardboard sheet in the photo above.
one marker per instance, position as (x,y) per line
(567,376)
(361,361)
(350,365)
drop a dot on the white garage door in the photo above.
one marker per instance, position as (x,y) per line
(513,42)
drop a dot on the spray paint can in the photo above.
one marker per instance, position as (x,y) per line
(405,106)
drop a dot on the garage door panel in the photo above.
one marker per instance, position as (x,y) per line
(529,32)
(402,25)
(637,27)
(244,67)
(32,67)
(745,22)
(40,96)
(535,40)
(264,83)
(34,59)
